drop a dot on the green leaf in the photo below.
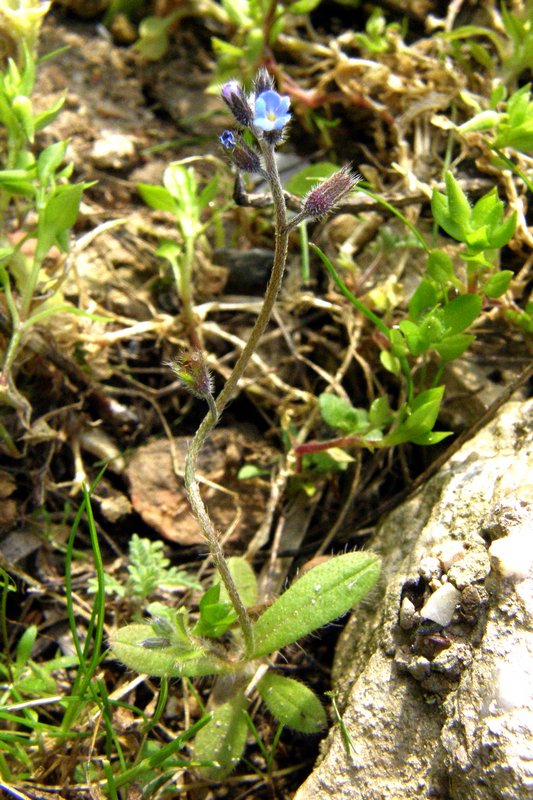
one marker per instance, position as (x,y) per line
(25,644)
(44,118)
(498,283)
(442,215)
(321,595)
(390,362)
(292,703)
(431,437)
(16,181)
(458,205)
(303,6)
(488,210)
(499,236)
(157,197)
(439,266)
(423,300)
(417,342)
(223,739)
(244,578)
(305,179)
(49,160)
(453,346)
(461,312)
(128,645)
(380,413)
(60,214)
(338,413)
(216,616)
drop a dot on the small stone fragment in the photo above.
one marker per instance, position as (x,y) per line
(475,566)
(441,605)
(430,568)
(450,553)
(513,555)
(409,616)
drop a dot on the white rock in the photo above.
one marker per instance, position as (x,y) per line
(441,605)
(513,555)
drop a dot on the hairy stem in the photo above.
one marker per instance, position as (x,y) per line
(209,421)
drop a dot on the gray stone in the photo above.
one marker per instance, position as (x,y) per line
(445,711)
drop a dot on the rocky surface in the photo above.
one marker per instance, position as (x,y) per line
(445,710)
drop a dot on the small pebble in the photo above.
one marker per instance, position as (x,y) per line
(441,605)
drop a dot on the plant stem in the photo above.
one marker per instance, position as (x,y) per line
(209,421)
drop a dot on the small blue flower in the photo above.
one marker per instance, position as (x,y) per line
(271,111)
(227,140)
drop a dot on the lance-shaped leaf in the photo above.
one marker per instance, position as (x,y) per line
(321,595)
(292,703)
(222,740)
(138,649)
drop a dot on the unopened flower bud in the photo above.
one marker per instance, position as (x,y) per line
(325,196)
(194,374)
(234,97)
(263,82)
(244,157)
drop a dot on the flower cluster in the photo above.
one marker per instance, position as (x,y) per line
(263,111)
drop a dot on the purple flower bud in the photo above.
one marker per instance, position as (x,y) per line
(244,157)
(234,97)
(193,373)
(325,196)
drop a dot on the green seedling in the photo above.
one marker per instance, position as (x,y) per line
(36,194)
(512,48)
(440,312)
(148,571)
(172,646)
(182,196)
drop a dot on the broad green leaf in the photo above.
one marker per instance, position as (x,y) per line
(461,312)
(335,459)
(498,283)
(157,197)
(306,179)
(321,595)
(16,181)
(129,645)
(292,703)
(454,346)
(223,739)
(338,413)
